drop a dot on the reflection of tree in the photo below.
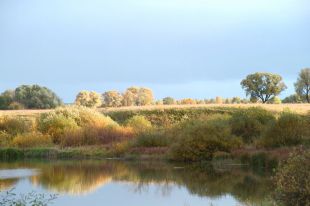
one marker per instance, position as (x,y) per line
(73,178)
(202,180)
(7,184)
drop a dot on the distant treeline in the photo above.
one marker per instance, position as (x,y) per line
(259,88)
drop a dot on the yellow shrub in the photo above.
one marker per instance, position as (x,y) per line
(34,139)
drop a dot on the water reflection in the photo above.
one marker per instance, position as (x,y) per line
(84,177)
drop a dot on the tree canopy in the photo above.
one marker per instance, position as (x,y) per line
(263,86)
(29,97)
(302,86)
(88,99)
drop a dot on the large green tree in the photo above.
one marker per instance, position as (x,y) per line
(302,86)
(263,86)
(36,97)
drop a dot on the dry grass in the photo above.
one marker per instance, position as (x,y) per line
(298,108)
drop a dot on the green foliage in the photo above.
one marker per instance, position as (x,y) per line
(139,123)
(6,98)
(168,101)
(289,129)
(250,123)
(112,99)
(88,99)
(152,138)
(34,139)
(263,86)
(294,98)
(36,97)
(275,100)
(302,86)
(293,180)
(167,117)
(236,100)
(199,139)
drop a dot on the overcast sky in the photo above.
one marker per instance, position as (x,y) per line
(179,48)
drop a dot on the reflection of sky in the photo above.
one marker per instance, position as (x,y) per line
(118,194)
(195,48)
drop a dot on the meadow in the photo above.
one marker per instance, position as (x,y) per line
(263,136)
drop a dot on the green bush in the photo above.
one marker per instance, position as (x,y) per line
(292,180)
(152,138)
(289,129)
(34,139)
(199,139)
(36,97)
(250,123)
(139,123)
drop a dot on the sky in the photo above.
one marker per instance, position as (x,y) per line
(179,48)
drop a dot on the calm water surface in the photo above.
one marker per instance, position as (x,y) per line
(114,183)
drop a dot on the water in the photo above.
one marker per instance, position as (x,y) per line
(114,183)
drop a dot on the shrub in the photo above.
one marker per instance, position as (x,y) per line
(70,118)
(292,180)
(152,138)
(200,139)
(139,123)
(290,129)
(55,125)
(33,139)
(5,139)
(15,125)
(250,123)
(92,135)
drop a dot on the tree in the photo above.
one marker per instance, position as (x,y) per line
(168,101)
(294,98)
(36,97)
(302,86)
(263,86)
(112,99)
(236,100)
(7,98)
(188,101)
(136,96)
(129,98)
(88,99)
(145,97)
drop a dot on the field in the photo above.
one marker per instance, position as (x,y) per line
(297,108)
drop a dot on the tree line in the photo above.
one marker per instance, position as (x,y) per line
(259,87)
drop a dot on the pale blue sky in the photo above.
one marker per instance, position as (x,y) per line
(179,48)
